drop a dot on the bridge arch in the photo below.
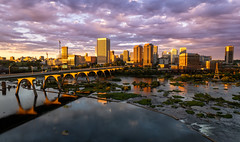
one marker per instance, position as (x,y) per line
(71,74)
(31,110)
(86,73)
(55,77)
(30,80)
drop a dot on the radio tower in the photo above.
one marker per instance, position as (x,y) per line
(59,46)
(216,75)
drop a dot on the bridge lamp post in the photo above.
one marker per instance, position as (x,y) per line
(9,68)
(32,69)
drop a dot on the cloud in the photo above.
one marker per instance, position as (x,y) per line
(34,27)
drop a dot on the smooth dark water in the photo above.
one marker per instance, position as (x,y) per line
(91,120)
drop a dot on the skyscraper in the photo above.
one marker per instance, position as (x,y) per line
(64,52)
(112,56)
(229,51)
(174,55)
(183,50)
(138,54)
(164,53)
(148,54)
(155,54)
(125,55)
(103,50)
(131,56)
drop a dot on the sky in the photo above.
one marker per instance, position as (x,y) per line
(34,27)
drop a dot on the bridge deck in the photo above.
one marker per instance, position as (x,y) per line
(30,74)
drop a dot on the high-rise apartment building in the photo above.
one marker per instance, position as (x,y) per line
(148,55)
(138,54)
(183,50)
(64,52)
(125,55)
(103,50)
(174,55)
(155,54)
(229,51)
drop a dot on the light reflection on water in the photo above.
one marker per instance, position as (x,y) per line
(223,90)
(89,120)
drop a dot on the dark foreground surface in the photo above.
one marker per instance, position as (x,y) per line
(90,120)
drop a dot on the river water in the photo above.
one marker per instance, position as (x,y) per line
(90,120)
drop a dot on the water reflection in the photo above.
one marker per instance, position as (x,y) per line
(102,101)
(89,120)
(49,102)
(28,111)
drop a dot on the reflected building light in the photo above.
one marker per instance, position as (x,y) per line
(102,101)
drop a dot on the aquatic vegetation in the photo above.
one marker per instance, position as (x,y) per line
(176,90)
(160,90)
(101,87)
(210,115)
(215,108)
(236,112)
(172,101)
(193,103)
(155,84)
(174,106)
(228,116)
(175,96)
(144,102)
(126,83)
(118,96)
(141,84)
(152,106)
(190,111)
(177,84)
(166,93)
(236,97)
(126,88)
(201,115)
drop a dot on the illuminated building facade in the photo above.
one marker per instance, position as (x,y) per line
(103,50)
(229,51)
(138,54)
(189,61)
(148,55)
(64,52)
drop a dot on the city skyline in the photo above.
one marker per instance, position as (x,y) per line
(32,28)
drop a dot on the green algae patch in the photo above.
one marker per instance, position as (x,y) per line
(144,102)
(177,84)
(236,97)
(175,96)
(190,112)
(215,108)
(200,115)
(193,103)
(118,96)
(172,101)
